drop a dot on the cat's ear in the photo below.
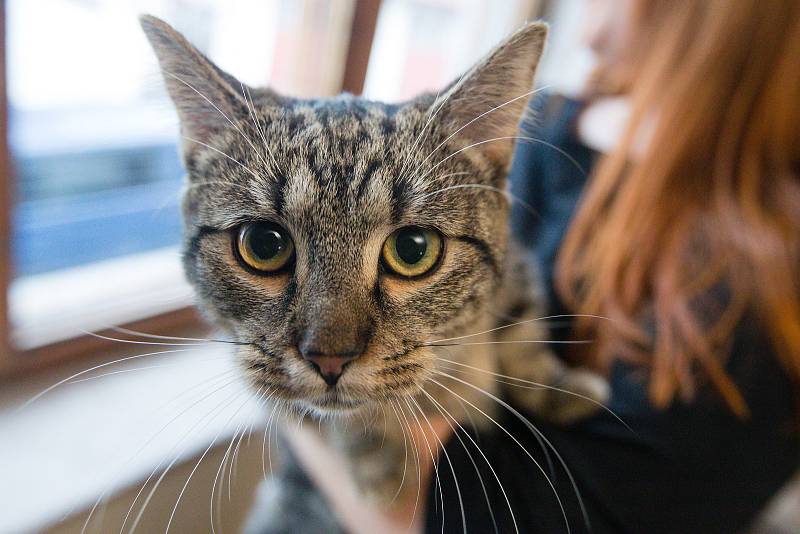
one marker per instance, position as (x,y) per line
(488,101)
(206,97)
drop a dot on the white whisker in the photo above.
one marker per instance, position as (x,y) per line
(406,428)
(449,462)
(433,110)
(526,321)
(85,371)
(145,368)
(507,138)
(504,104)
(158,432)
(221,153)
(433,457)
(204,97)
(509,434)
(214,490)
(252,112)
(507,194)
(405,455)
(147,335)
(541,437)
(516,341)
(448,417)
(136,342)
(210,417)
(536,385)
(200,460)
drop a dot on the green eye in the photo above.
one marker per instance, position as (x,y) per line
(264,246)
(412,251)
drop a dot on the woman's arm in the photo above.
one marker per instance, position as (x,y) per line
(327,469)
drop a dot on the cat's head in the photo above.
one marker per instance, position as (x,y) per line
(336,238)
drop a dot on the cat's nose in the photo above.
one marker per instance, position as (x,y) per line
(329,366)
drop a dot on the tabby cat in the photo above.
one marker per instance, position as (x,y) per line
(340,241)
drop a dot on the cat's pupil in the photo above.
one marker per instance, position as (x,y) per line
(411,245)
(267,243)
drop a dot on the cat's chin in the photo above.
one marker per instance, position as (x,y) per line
(333,405)
(334,412)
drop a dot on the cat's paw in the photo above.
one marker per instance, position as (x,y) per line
(287,503)
(582,393)
(382,479)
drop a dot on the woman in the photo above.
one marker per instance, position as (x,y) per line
(686,236)
(667,200)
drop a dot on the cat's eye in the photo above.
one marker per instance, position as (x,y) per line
(412,251)
(264,246)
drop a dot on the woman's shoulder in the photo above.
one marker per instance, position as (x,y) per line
(550,111)
(749,361)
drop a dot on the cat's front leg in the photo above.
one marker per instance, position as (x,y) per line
(537,380)
(534,377)
(288,502)
(380,453)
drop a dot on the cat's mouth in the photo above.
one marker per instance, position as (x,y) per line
(334,401)
(363,385)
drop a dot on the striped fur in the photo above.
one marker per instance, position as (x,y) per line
(341,174)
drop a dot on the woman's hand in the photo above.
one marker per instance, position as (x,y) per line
(327,469)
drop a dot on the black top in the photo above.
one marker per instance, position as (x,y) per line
(691,468)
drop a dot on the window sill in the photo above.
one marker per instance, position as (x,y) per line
(79,440)
(54,307)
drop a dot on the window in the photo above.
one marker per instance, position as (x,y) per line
(422,45)
(94,214)
(90,129)
(92,135)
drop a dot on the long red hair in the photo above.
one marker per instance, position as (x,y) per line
(711,205)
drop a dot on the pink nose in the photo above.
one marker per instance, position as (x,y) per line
(329,367)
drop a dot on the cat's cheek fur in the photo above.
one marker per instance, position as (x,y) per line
(378,376)
(402,289)
(239,302)
(447,302)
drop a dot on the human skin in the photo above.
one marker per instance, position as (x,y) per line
(327,470)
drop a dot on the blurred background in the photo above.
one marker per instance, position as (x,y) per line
(90,226)
(91,134)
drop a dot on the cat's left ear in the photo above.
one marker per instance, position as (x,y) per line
(486,104)
(205,96)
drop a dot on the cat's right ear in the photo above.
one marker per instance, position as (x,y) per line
(207,98)
(484,107)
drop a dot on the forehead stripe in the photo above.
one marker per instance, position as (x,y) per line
(279,199)
(365,179)
(487,255)
(399,201)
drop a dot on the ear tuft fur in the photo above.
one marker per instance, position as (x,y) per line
(205,96)
(488,101)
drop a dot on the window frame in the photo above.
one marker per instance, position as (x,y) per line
(15,362)
(362,34)
(5,204)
